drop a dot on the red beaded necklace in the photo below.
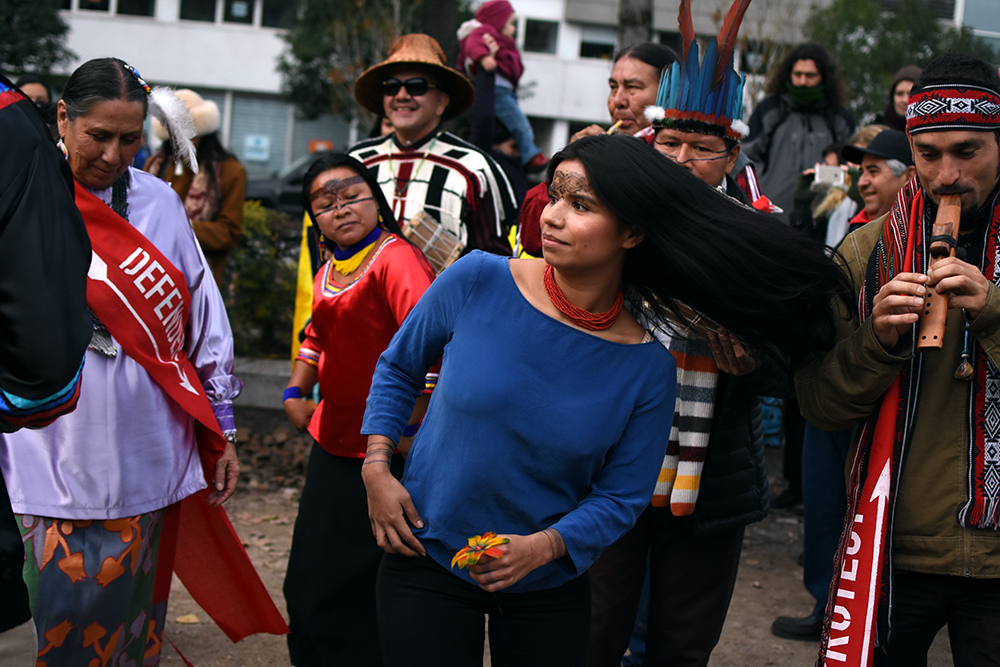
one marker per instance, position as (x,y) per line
(581,317)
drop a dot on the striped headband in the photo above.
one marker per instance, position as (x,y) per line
(951,107)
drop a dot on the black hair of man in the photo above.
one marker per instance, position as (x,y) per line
(655,55)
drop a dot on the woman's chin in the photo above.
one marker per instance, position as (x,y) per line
(96,179)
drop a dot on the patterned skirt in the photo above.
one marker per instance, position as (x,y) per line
(91,585)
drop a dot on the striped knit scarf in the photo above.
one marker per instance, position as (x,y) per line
(697,378)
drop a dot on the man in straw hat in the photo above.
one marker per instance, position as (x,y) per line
(921,546)
(421,167)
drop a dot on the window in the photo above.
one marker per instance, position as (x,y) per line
(981,15)
(198,10)
(96,5)
(672,40)
(238,11)
(540,36)
(137,7)
(597,42)
(278,13)
(943,9)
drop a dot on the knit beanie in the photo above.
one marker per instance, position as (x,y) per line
(494,13)
(908,73)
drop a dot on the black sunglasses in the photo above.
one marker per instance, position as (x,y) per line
(415,87)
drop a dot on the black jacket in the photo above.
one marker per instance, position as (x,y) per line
(44,324)
(734,488)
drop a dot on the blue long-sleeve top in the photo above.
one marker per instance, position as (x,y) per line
(533,424)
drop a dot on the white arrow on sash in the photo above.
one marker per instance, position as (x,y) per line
(99,271)
(881,493)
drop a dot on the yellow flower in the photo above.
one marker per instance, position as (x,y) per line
(486,544)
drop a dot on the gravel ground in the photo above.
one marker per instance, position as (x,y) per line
(263,512)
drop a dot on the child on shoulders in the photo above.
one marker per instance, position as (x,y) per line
(487,41)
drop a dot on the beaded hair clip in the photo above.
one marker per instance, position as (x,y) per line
(135,73)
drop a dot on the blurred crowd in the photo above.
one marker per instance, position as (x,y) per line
(536,386)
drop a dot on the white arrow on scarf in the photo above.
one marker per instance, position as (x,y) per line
(99,271)
(881,493)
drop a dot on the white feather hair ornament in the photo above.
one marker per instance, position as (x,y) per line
(174,115)
(741,127)
(654,113)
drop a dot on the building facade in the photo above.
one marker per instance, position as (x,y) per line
(226,50)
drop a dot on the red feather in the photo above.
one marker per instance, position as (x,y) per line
(727,39)
(686,26)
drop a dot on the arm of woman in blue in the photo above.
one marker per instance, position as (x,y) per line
(394,391)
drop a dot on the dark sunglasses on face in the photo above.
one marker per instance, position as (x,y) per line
(415,87)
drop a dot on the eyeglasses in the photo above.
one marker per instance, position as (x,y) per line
(415,87)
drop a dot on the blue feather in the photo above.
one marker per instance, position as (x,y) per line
(675,86)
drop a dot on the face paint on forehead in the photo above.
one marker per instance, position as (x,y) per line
(569,183)
(336,185)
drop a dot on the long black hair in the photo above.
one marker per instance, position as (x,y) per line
(99,80)
(768,284)
(333,160)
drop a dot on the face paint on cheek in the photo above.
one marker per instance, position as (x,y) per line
(565,184)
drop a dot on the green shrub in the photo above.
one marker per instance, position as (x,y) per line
(261,275)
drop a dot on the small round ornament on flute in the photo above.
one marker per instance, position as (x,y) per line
(942,245)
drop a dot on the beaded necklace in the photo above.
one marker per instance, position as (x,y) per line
(348,260)
(579,316)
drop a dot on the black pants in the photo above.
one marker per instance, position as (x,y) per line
(430,617)
(691,583)
(925,603)
(795,426)
(330,584)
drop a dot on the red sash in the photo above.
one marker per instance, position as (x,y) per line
(856,609)
(143,300)
(141,297)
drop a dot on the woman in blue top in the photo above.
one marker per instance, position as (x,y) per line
(551,416)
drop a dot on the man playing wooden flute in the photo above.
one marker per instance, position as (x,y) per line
(921,547)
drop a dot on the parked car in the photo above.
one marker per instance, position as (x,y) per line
(282,191)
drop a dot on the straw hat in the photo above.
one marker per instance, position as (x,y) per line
(205,114)
(416,49)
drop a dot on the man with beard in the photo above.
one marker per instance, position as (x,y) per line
(921,548)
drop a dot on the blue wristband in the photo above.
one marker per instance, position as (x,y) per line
(411,430)
(291,392)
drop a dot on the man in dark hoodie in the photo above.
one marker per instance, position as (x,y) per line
(802,115)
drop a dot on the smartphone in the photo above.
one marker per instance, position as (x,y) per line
(829,174)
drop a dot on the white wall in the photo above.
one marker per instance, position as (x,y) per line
(574,90)
(187,53)
(562,85)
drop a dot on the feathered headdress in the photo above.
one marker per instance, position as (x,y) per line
(172,113)
(703,96)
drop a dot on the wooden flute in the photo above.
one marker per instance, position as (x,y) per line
(935,313)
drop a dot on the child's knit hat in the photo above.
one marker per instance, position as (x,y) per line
(494,13)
